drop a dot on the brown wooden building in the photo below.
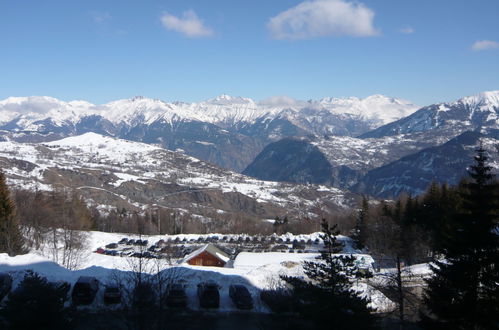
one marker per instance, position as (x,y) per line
(208,255)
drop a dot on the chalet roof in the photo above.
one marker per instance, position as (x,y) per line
(211,249)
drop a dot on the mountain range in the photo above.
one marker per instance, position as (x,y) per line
(226,131)
(318,149)
(402,156)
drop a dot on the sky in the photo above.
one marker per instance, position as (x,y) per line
(424,51)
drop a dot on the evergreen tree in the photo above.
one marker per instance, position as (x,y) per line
(11,240)
(281,225)
(327,297)
(463,293)
(359,232)
(36,304)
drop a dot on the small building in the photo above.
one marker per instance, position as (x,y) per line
(208,255)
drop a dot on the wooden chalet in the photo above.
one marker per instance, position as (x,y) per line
(208,255)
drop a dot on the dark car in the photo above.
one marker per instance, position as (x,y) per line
(240,297)
(112,295)
(124,240)
(85,290)
(5,284)
(176,296)
(112,246)
(208,295)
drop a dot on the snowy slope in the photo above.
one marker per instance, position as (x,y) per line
(140,174)
(256,271)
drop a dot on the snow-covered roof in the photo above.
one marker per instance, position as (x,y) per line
(211,249)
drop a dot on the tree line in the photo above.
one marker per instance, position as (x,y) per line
(454,229)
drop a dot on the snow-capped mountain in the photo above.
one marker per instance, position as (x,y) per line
(377,108)
(114,173)
(467,113)
(222,109)
(374,163)
(444,163)
(382,167)
(228,131)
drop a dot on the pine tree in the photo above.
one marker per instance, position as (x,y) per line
(327,297)
(36,304)
(359,232)
(11,240)
(463,293)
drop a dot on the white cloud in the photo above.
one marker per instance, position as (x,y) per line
(407,30)
(484,45)
(100,17)
(320,18)
(189,24)
(281,101)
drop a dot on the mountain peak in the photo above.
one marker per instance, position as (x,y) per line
(223,99)
(483,100)
(375,107)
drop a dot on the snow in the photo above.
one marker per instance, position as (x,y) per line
(124,177)
(94,142)
(249,260)
(257,271)
(222,109)
(484,101)
(125,161)
(378,107)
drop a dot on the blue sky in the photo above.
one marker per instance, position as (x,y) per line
(425,51)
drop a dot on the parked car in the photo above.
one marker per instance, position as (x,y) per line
(100,251)
(111,252)
(208,295)
(176,296)
(112,295)
(112,246)
(240,297)
(149,255)
(5,284)
(124,240)
(85,290)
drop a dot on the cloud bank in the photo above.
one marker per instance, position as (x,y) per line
(321,18)
(281,101)
(484,45)
(189,24)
